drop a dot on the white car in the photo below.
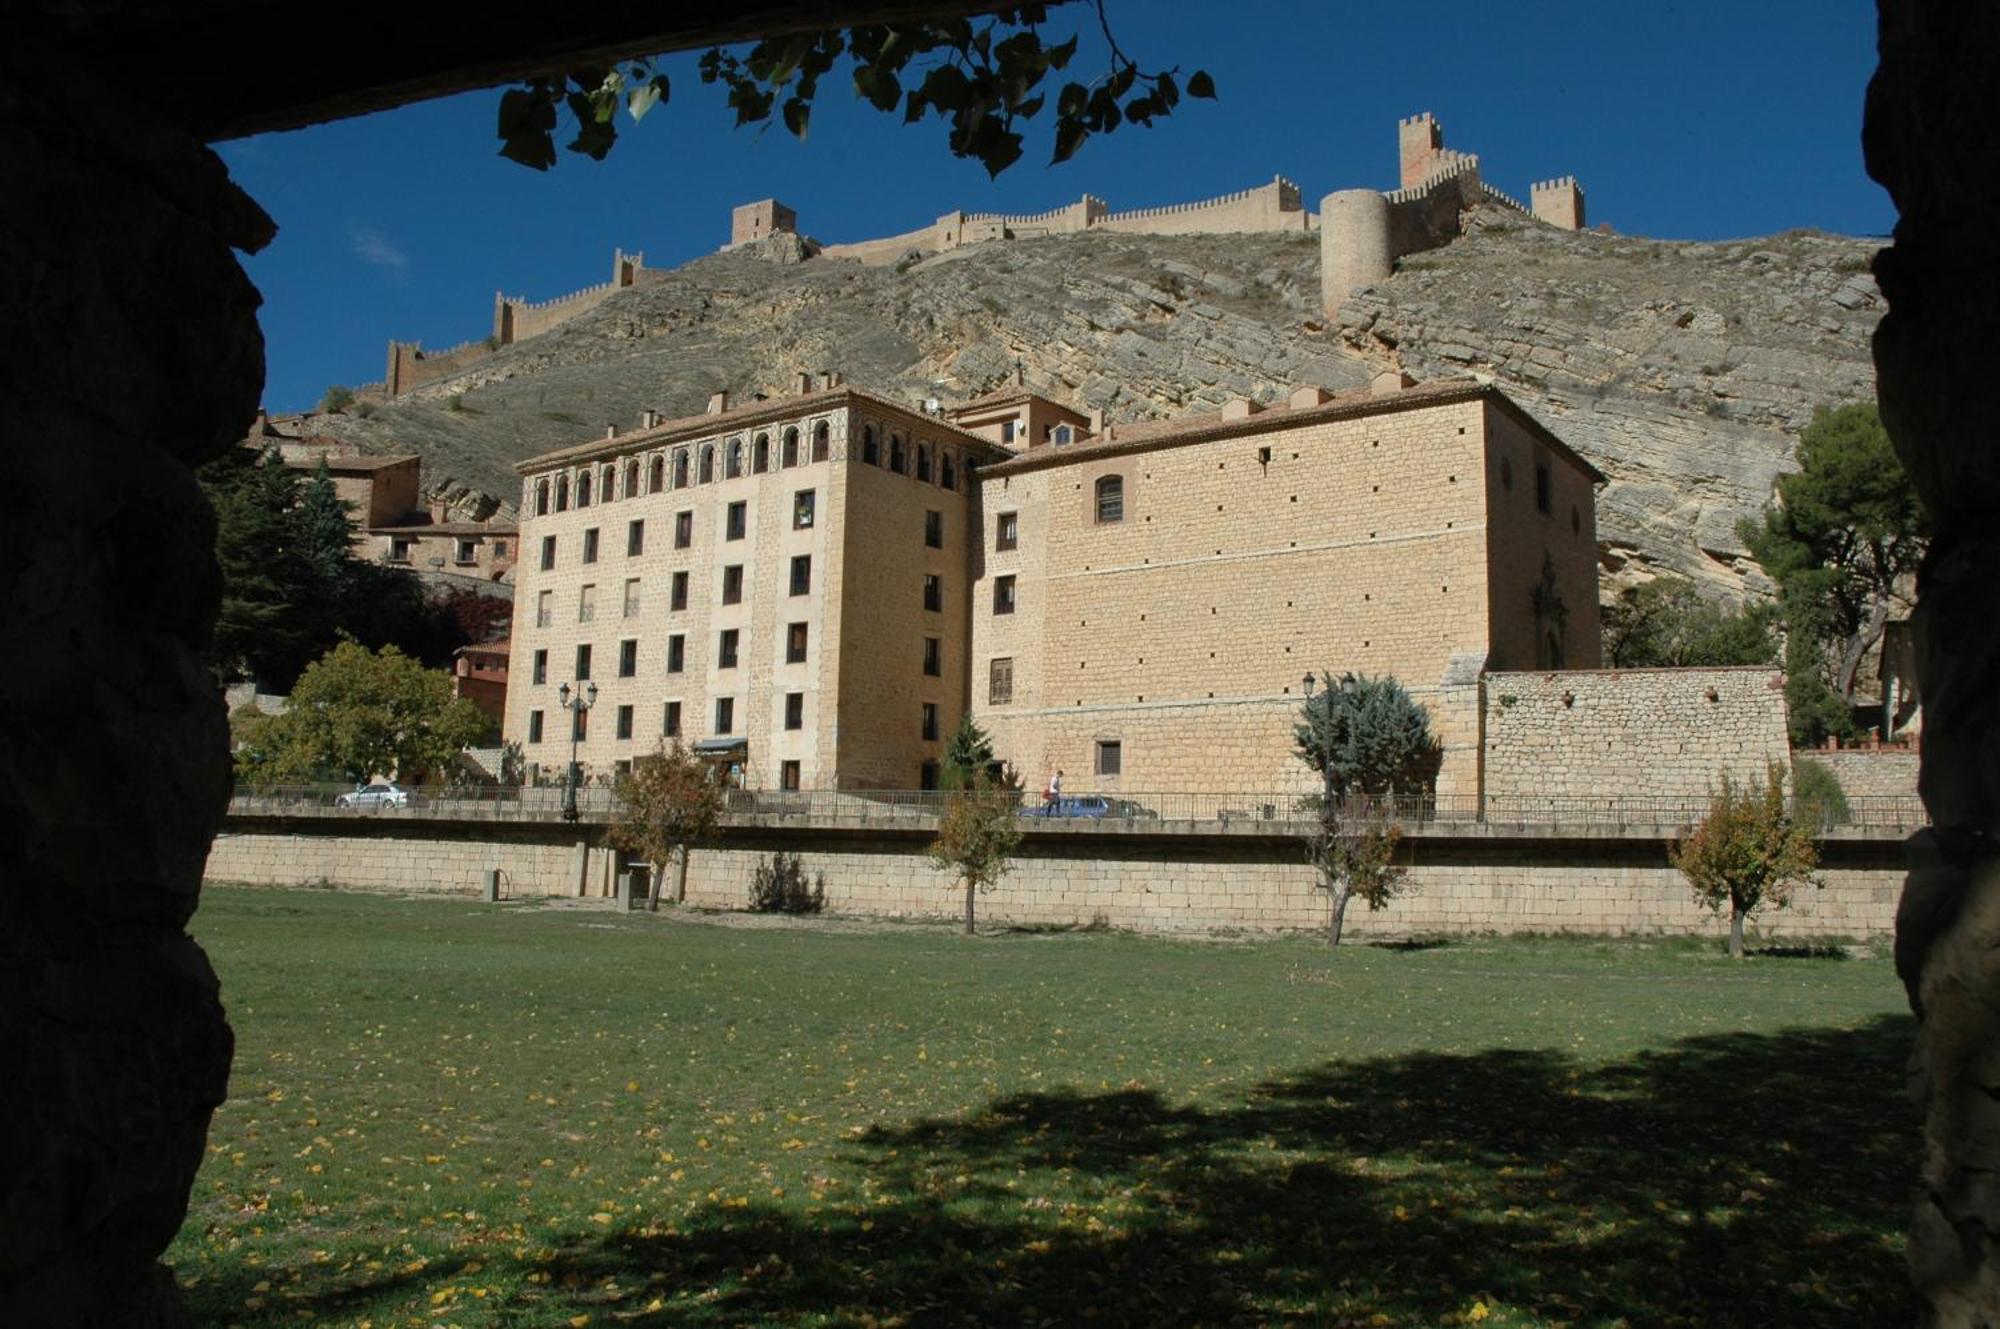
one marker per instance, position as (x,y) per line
(375,796)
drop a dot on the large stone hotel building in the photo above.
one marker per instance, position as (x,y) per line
(815,588)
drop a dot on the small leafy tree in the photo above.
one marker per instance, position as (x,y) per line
(1667,622)
(967,754)
(781,887)
(338,398)
(976,838)
(670,802)
(1751,849)
(1371,742)
(361,713)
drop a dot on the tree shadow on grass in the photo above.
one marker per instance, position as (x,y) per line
(1754,1180)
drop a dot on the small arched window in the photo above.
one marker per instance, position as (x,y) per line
(583,489)
(541,498)
(896,453)
(947,471)
(607,483)
(681,469)
(656,478)
(760,455)
(632,477)
(924,462)
(705,471)
(788,453)
(562,493)
(732,462)
(871,451)
(822,445)
(1111,498)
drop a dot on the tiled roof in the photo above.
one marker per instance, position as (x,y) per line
(769,411)
(354,462)
(1360,402)
(444,528)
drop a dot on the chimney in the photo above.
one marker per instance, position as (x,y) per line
(1096,421)
(718,402)
(1389,382)
(611,431)
(1239,408)
(1307,397)
(801,383)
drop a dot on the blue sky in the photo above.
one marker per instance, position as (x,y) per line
(1681,120)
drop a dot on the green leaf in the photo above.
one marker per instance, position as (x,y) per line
(797,113)
(1070,134)
(1201,85)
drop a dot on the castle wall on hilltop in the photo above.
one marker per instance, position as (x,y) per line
(1362,234)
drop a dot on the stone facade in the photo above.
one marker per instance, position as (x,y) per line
(1630,733)
(1163,882)
(877,499)
(1889,772)
(1419,532)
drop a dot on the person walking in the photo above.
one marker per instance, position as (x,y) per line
(1055,790)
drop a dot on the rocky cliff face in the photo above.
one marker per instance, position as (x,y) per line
(1682,370)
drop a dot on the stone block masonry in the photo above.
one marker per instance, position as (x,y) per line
(1202,880)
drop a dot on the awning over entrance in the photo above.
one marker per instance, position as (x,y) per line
(722,747)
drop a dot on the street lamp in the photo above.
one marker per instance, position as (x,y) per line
(576,703)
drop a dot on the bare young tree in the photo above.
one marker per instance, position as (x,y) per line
(670,802)
(976,838)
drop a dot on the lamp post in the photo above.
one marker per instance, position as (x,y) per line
(576,703)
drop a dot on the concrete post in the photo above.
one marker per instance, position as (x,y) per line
(582,873)
(492,885)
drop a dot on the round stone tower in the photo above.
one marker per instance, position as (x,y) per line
(1354,248)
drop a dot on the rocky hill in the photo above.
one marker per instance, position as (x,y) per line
(1682,370)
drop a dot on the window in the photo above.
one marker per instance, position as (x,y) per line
(676,653)
(930,730)
(795,644)
(760,455)
(871,451)
(1062,435)
(541,674)
(732,462)
(927,775)
(896,453)
(795,710)
(562,493)
(933,657)
(632,478)
(737,520)
(725,715)
(802,510)
(725,649)
(399,548)
(582,662)
(820,441)
(1543,488)
(628,658)
(1007,531)
(656,474)
(681,469)
(583,489)
(499,549)
(677,595)
(1110,498)
(706,471)
(544,608)
(1110,756)
(548,552)
(947,471)
(1003,595)
(635,538)
(683,529)
(586,604)
(923,461)
(732,584)
(467,551)
(934,530)
(1000,681)
(622,768)
(788,451)
(631,597)
(933,593)
(1007,431)
(670,720)
(788,775)
(534,726)
(624,722)
(802,574)
(541,498)
(590,545)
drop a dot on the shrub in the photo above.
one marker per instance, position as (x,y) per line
(1817,793)
(338,398)
(780,887)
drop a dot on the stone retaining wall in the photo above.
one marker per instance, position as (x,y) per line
(1868,772)
(1162,882)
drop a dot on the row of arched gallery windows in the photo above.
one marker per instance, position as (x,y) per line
(698,466)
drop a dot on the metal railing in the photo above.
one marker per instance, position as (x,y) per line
(1289,812)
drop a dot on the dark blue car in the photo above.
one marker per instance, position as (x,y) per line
(1089,807)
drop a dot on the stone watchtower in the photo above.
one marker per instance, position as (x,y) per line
(1420,142)
(1558,202)
(754,221)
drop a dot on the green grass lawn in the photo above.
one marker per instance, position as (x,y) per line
(450,1113)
